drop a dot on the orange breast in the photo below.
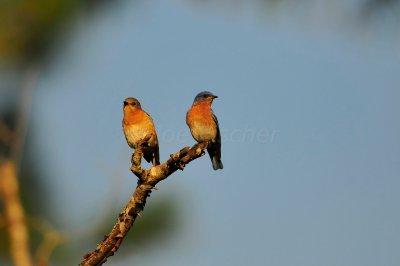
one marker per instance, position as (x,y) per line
(134,116)
(201,123)
(200,112)
(137,125)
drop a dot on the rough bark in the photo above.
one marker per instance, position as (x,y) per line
(147,181)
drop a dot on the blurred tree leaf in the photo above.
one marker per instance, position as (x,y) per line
(27,27)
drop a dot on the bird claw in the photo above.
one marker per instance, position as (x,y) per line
(180,166)
(200,151)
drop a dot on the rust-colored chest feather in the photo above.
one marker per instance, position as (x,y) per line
(137,125)
(200,112)
(201,122)
(132,117)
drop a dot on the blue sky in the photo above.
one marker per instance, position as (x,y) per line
(309,116)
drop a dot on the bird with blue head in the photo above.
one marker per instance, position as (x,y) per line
(203,125)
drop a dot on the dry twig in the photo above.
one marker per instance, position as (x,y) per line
(147,181)
(14,215)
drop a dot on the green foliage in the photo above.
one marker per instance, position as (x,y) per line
(27,27)
(4,240)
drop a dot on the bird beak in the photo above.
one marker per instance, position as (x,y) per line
(125,103)
(214,96)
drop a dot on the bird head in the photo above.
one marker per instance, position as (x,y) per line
(204,96)
(131,104)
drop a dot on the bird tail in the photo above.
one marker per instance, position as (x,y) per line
(216,163)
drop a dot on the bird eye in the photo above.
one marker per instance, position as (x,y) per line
(133,103)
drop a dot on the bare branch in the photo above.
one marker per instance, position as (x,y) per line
(9,187)
(147,181)
(51,239)
(14,215)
